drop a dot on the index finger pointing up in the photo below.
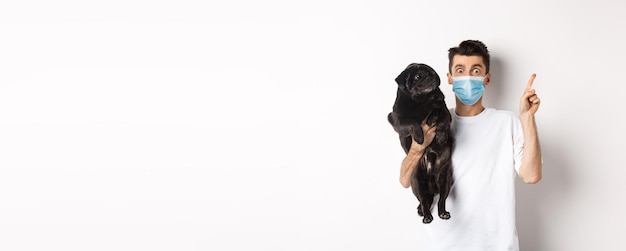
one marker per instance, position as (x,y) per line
(530,82)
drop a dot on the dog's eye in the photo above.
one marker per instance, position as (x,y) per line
(417,76)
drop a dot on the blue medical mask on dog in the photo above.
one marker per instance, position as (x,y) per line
(468,89)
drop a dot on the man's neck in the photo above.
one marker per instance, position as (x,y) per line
(468,110)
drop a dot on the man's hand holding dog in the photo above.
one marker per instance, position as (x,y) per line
(415,153)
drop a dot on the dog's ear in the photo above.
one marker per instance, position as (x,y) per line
(404,76)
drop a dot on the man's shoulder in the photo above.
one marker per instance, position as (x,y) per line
(501,115)
(497,112)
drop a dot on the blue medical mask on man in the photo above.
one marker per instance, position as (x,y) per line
(468,89)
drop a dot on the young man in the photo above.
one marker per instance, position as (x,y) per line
(491,147)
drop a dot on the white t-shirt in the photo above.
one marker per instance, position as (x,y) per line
(485,160)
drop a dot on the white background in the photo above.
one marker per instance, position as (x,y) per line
(261,125)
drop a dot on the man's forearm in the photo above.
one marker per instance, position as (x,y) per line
(408,167)
(531,169)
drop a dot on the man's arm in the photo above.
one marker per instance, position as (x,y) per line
(531,169)
(414,155)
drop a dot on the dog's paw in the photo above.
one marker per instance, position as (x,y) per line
(418,137)
(419,140)
(419,211)
(418,134)
(444,215)
(427,220)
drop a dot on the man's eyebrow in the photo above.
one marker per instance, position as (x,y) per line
(479,65)
(458,65)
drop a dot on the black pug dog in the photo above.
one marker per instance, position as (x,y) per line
(419,98)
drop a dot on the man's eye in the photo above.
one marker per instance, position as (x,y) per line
(459,70)
(476,71)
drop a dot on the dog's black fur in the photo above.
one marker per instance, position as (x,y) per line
(419,98)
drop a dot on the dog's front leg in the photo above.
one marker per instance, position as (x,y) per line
(402,127)
(441,119)
(417,133)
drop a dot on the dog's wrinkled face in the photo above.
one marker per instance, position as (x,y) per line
(418,79)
